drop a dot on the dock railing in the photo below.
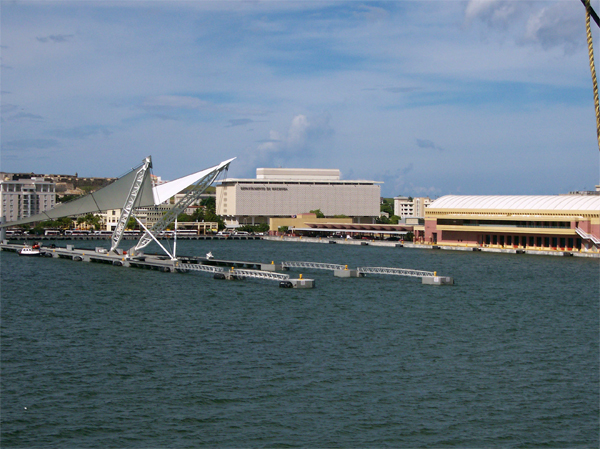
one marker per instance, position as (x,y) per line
(314,265)
(396,271)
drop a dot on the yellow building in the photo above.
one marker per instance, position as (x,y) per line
(550,222)
(302,221)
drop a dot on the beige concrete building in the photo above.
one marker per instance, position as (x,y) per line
(281,192)
(302,221)
(23,198)
(407,207)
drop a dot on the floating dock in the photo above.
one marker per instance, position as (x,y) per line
(223,268)
(342,271)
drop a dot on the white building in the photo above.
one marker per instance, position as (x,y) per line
(407,207)
(285,192)
(403,206)
(419,205)
(23,198)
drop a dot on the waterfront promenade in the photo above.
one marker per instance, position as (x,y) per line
(325,240)
(457,247)
(47,238)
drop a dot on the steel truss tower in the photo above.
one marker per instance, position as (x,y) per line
(192,195)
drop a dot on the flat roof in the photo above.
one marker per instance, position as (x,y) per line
(357,227)
(296,181)
(298,173)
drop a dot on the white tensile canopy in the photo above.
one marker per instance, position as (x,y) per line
(165,191)
(114,195)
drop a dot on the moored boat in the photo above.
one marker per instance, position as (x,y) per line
(33,250)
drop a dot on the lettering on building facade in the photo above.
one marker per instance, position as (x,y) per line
(265,188)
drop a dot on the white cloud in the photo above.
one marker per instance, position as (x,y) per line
(494,12)
(297,133)
(295,147)
(559,25)
(390,75)
(544,23)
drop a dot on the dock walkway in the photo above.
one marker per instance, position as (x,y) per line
(221,268)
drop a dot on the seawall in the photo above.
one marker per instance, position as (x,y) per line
(325,240)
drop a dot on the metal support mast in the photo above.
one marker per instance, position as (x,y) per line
(140,177)
(192,195)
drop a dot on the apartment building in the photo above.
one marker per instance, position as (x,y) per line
(22,198)
(410,207)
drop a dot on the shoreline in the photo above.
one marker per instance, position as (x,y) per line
(325,240)
(519,251)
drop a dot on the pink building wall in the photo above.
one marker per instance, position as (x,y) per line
(479,236)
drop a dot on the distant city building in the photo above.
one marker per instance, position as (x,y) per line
(552,222)
(157,180)
(587,192)
(22,198)
(403,206)
(286,192)
(64,184)
(410,207)
(110,218)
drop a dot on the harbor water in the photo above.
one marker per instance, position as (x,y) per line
(97,356)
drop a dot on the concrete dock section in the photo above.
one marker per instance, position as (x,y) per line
(222,268)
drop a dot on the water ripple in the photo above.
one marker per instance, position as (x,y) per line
(99,356)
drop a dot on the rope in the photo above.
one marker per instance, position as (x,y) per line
(591,11)
(592,69)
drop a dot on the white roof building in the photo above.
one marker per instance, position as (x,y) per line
(521,203)
(538,222)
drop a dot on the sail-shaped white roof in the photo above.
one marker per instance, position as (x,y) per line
(167,190)
(114,195)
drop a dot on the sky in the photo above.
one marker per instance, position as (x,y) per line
(478,97)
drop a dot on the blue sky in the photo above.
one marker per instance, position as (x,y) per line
(430,97)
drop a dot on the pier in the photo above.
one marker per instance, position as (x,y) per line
(222,268)
(166,264)
(428,277)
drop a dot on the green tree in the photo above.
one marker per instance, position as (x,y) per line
(66,198)
(91,220)
(318,213)
(131,224)
(263,227)
(210,202)
(38,229)
(185,218)
(211,216)
(387,208)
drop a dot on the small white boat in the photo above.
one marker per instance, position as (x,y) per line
(33,250)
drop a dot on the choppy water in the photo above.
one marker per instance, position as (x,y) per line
(101,356)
